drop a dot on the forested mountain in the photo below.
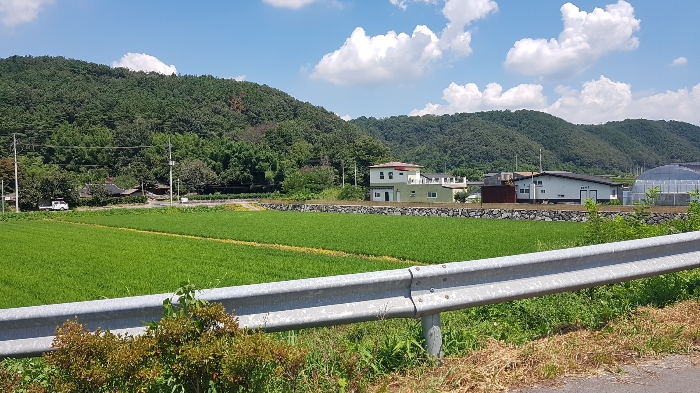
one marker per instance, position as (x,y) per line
(79,122)
(490,141)
(222,131)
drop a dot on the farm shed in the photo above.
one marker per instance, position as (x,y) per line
(565,187)
(675,181)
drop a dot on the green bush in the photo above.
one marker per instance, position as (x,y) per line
(196,347)
(461,196)
(215,196)
(105,201)
(352,193)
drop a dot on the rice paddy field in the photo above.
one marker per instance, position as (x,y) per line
(74,257)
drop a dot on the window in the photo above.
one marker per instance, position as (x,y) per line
(400,173)
(381,175)
(432,194)
(391,175)
(539,182)
(522,191)
(527,190)
(614,192)
(413,193)
(541,191)
(560,196)
(377,194)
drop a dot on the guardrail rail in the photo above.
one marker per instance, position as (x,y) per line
(417,292)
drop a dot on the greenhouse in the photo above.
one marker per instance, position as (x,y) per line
(675,181)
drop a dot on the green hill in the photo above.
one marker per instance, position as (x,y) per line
(228,132)
(69,115)
(490,141)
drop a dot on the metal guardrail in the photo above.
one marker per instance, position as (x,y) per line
(417,292)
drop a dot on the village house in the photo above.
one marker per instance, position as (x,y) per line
(401,182)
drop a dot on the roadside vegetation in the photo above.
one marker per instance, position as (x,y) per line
(487,348)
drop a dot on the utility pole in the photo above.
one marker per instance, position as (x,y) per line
(342,162)
(355,173)
(14,141)
(3,195)
(516,162)
(540,160)
(170,164)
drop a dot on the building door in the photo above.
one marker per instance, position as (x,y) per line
(398,196)
(584,195)
(593,194)
(386,196)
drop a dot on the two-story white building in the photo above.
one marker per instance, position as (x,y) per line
(401,182)
(562,187)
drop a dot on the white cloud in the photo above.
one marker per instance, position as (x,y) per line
(370,61)
(604,100)
(239,78)
(585,38)
(469,98)
(346,117)
(14,12)
(289,3)
(461,13)
(599,101)
(403,4)
(144,62)
(680,61)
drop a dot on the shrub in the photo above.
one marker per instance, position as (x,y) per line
(352,193)
(461,196)
(196,347)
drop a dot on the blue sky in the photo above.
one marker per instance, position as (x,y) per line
(585,61)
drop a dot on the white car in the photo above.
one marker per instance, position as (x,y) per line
(55,205)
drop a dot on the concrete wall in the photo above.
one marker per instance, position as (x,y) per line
(496,213)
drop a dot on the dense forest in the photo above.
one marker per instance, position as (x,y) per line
(68,115)
(78,123)
(490,141)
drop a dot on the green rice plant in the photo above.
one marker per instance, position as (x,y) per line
(54,262)
(424,239)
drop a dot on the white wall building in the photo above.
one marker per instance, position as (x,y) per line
(401,182)
(562,187)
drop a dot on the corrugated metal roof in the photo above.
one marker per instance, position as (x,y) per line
(575,176)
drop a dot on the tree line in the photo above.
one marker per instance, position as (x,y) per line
(223,133)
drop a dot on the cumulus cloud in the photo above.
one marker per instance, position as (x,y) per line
(598,101)
(604,100)
(585,38)
(680,61)
(289,3)
(369,61)
(239,78)
(14,12)
(144,62)
(461,13)
(469,98)
(346,117)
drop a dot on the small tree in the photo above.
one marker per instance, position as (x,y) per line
(311,179)
(461,196)
(195,174)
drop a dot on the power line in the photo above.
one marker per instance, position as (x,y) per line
(90,147)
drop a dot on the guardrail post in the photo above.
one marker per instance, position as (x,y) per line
(433,335)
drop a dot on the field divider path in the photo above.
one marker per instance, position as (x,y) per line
(283,247)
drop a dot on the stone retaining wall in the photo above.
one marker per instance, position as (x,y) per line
(504,214)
